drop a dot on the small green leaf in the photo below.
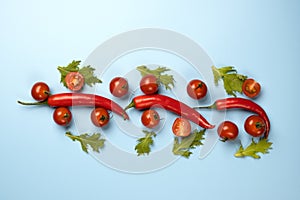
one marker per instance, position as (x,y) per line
(94,141)
(262,146)
(87,72)
(72,67)
(145,143)
(184,146)
(232,81)
(165,79)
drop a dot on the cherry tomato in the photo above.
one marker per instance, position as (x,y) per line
(149,84)
(251,88)
(196,89)
(227,130)
(74,81)
(118,87)
(100,117)
(255,126)
(40,91)
(62,116)
(150,118)
(181,127)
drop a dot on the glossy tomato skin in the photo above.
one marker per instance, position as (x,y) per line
(100,117)
(228,130)
(62,116)
(118,87)
(150,118)
(255,126)
(74,81)
(181,127)
(149,84)
(251,88)
(196,89)
(40,91)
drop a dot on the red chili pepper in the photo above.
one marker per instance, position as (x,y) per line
(246,104)
(177,107)
(80,99)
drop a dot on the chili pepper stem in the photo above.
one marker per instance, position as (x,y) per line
(131,105)
(213,106)
(33,103)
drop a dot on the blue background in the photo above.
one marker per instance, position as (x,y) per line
(260,38)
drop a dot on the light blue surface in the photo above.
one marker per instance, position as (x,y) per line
(38,162)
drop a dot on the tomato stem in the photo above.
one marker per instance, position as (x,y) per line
(223,139)
(33,103)
(199,85)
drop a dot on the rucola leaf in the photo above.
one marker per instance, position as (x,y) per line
(232,80)
(87,72)
(94,141)
(72,67)
(144,143)
(182,147)
(262,146)
(164,79)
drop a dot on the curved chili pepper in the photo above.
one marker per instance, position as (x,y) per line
(246,104)
(177,107)
(80,99)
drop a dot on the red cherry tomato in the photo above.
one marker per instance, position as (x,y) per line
(74,81)
(196,89)
(40,91)
(62,116)
(100,117)
(255,126)
(118,87)
(150,118)
(227,130)
(181,127)
(149,84)
(251,88)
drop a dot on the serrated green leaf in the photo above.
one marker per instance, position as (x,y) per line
(145,143)
(262,146)
(94,141)
(71,67)
(186,144)
(88,73)
(217,75)
(232,81)
(165,79)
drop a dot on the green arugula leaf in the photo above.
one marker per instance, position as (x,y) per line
(182,147)
(164,79)
(232,80)
(143,146)
(94,141)
(72,67)
(262,146)
(87,72)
